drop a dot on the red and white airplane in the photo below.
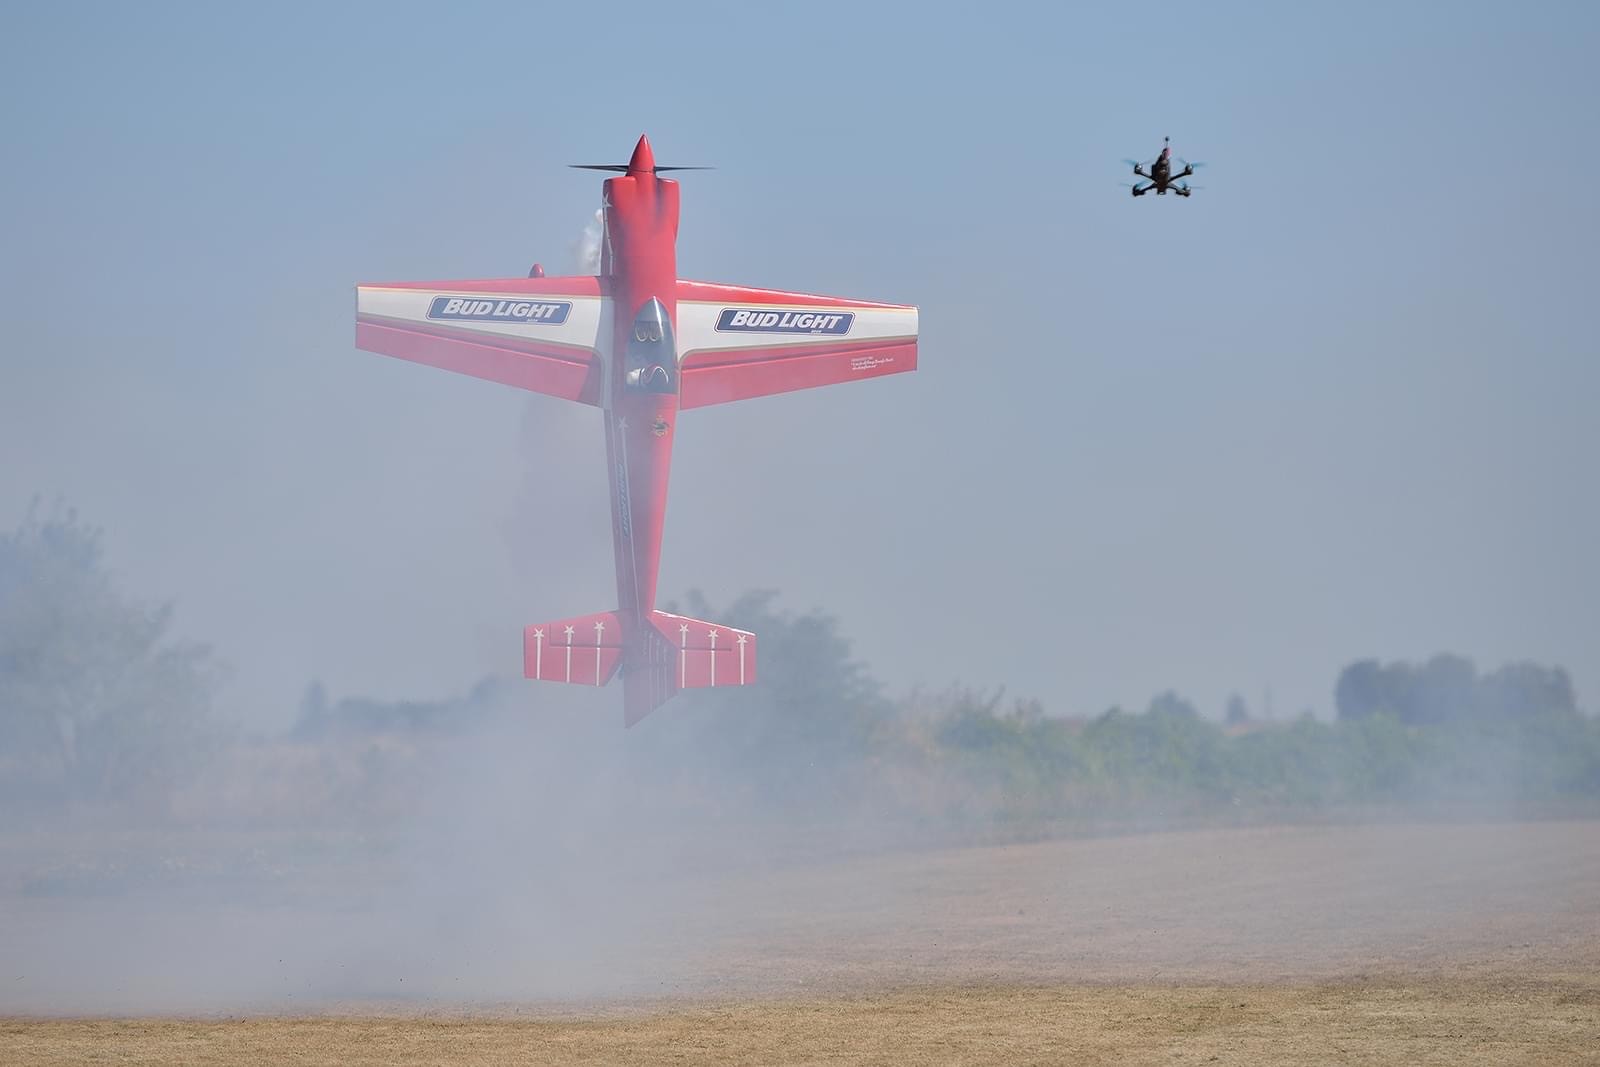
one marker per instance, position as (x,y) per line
(641,344)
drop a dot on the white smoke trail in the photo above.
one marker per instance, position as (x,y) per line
(587,247)
(553,499)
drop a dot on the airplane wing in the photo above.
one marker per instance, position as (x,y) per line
(541,334)
(735,342)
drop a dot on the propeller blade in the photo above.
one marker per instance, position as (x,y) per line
(622,168)
(1191,166)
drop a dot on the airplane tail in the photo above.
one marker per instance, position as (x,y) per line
(657,657)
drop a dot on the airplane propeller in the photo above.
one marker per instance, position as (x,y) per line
(622,168)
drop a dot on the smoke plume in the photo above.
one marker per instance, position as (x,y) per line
(586,249)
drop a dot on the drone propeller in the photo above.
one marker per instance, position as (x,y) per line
(622,168)
(1190,166)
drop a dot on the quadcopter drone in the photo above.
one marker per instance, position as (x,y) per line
(1159,175)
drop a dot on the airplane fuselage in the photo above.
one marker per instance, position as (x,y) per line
(639,266)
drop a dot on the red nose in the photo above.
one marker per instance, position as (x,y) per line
(643,161)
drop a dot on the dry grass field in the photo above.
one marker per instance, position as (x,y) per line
(1456,944)
(1412,1022)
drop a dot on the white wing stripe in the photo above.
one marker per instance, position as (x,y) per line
(410,307)
(697,327)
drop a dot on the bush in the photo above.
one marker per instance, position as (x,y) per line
(97,703)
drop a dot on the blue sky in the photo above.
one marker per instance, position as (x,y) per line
(1339,404)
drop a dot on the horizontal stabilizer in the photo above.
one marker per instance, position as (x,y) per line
(679,653)
(583,650)
(707,655)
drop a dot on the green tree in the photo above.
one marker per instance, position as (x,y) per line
(1448,689)
(96,701)
(809,722)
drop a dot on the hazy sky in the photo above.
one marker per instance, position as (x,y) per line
(1339,404)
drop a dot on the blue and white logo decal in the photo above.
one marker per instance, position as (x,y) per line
(471,309)
(763,320)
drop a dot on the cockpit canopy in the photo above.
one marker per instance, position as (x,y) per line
(651,364)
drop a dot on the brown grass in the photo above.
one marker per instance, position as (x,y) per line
(1421,944)
(1413,1022)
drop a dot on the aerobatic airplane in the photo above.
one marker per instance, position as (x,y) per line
(642,345)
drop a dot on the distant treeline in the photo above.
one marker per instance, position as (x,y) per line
(98,706)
